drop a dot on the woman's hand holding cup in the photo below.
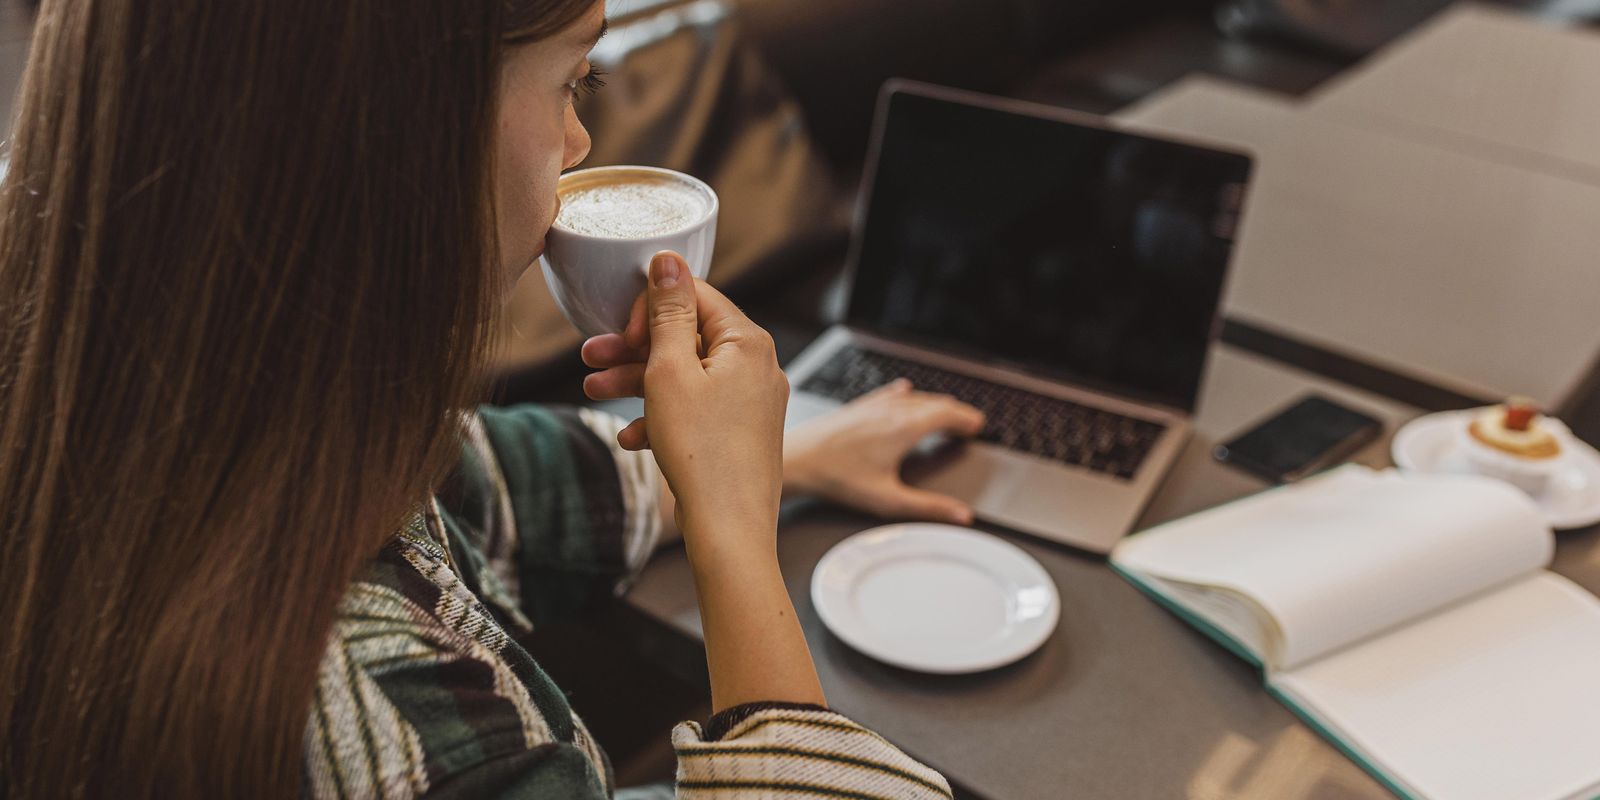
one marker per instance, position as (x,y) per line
(852,456)
(714,401)
(714,397)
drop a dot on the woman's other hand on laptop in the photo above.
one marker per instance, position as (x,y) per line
(853,456)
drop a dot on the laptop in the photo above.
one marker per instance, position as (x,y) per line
(1050,269)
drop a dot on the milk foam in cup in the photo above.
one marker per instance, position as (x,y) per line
(611,222)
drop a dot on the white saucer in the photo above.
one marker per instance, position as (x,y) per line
(935,598)
(1572,500)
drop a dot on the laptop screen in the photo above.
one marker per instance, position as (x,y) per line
(1087,255)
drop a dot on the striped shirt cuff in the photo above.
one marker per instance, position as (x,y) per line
(783,750)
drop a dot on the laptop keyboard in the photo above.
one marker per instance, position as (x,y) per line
(1049,427)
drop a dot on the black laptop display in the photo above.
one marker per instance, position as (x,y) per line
(1084,254)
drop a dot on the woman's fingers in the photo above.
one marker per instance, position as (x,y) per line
(896,500)
(722,321)
(674,316)
(898,386)
(925,412)
(610,350)
(633,436)
(716,317)
(938,413)
(637,333)
(624,381)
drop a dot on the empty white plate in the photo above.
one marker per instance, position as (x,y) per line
(1431,444)
(935,598)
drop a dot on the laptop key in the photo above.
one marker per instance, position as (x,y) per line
(1044,426)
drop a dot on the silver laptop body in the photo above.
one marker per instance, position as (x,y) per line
(1021,478)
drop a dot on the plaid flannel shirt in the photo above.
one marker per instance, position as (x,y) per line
(423,690)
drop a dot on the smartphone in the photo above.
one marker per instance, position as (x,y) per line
(1311,434)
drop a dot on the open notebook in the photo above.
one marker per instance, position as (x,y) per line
(1407,618)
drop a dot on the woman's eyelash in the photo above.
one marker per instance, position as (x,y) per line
(590,83)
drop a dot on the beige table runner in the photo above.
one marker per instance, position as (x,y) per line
(1498,84)
(1476,275)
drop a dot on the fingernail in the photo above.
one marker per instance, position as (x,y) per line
(962,517)
(664,270)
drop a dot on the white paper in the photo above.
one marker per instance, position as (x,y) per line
(1495,698)
(1352,553)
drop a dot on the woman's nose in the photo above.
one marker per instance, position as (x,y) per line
(577,142)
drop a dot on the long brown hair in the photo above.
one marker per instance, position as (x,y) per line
(247,281)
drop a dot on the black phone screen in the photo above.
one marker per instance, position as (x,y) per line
(1308,434)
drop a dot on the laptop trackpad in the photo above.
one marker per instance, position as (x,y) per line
(967,473)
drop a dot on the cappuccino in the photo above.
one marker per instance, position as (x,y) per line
(612,221)
(629,204)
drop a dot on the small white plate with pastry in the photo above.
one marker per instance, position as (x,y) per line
(1515,443)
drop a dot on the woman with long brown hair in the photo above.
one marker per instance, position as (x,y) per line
(256,539)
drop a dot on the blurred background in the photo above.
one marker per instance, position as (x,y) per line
(771,102)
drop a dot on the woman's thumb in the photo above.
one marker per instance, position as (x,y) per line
(670,300)
(910,502)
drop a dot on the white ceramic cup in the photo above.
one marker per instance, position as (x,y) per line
(595,279)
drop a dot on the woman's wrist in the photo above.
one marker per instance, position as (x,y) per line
(735,577)
(755,648)
(729,549)
(799,478)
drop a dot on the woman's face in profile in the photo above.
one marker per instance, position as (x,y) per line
(538,135)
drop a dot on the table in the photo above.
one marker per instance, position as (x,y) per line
(1124,700)
(1345,236)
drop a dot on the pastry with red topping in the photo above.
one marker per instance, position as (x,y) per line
(1516,428)
(1515,443)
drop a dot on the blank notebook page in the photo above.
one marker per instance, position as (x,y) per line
(1496,697)
(1347,554)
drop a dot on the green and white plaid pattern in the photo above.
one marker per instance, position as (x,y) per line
(423,690)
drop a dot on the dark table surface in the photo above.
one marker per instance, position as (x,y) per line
(1124,700)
